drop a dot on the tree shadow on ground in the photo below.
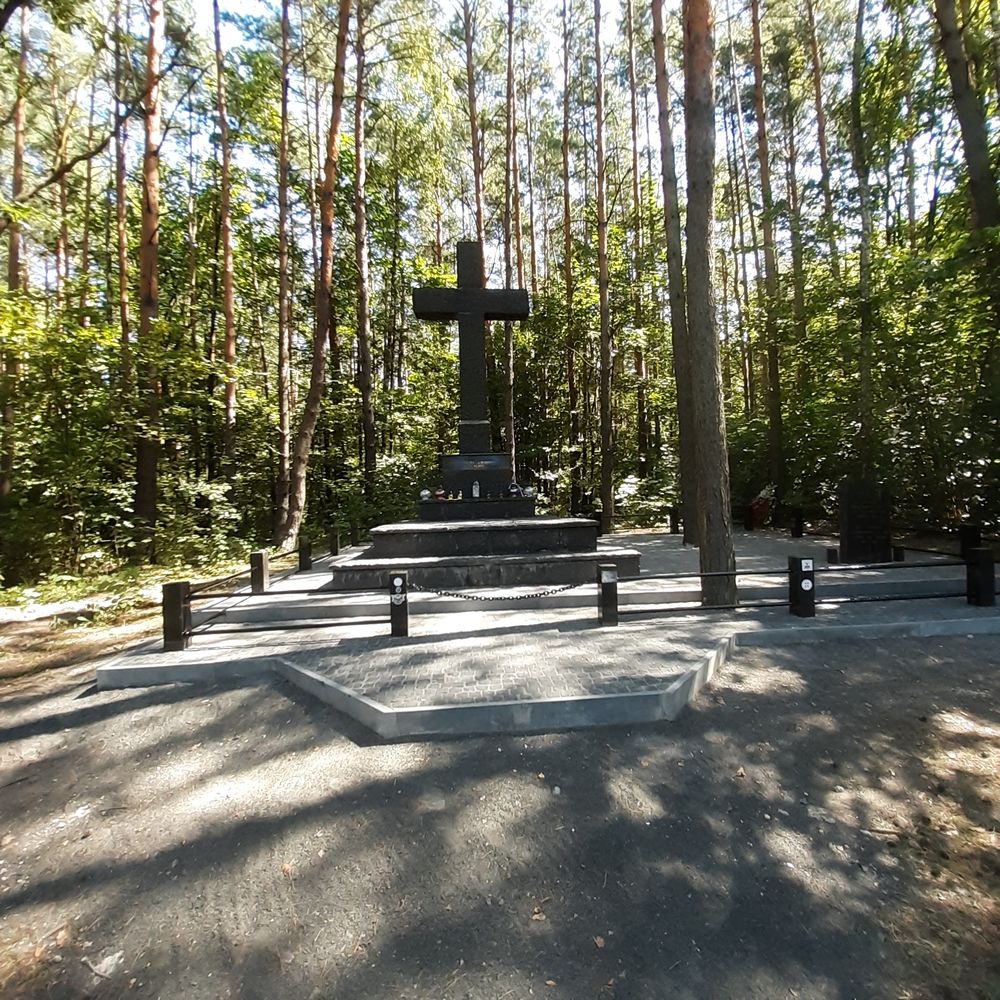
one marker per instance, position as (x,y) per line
(731,854)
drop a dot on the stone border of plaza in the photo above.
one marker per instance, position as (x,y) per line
(529,715)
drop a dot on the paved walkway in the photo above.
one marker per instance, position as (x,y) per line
(541,662)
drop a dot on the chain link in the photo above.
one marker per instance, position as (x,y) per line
(497,597)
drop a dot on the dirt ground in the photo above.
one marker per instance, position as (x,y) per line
(821,824)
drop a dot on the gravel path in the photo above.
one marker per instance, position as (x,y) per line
(250,842)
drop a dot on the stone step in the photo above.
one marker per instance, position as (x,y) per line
(453,572)
(484,536)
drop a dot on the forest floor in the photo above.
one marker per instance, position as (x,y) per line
(822,823)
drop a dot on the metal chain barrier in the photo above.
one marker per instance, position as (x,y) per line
(497,597)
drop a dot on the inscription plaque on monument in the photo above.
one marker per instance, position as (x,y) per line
(865,535)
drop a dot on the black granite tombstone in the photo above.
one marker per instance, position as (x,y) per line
(477,475)
(865,535)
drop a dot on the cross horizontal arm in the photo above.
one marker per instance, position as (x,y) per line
(442,305)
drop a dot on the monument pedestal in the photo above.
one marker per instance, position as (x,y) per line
(486,539)
(503,552)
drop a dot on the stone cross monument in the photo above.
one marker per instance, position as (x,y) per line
(473,305)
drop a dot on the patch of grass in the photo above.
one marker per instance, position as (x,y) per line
(107,597)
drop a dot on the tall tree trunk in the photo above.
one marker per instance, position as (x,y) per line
(10,364)
(88,208)
(985,214)
(775,435)
(226,235)
(284,304)
(971,120)
(744,157)
(716,542)
(824,156)
(361,255)
(859,156)
(530,179)
(739,252)
(121,208)
(995,26)
(572,392)
(60,129)
(508,328)
(607,428)
(794,208)
(638,358)
(288,532)
(148,382)
(679,339)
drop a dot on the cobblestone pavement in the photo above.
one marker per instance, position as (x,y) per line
(510,656)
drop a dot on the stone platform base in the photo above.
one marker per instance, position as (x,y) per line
(483,537)
(451,572)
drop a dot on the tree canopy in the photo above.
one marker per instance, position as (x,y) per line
(211,236)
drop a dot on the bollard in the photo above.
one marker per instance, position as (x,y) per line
(748,518)
(980,578)
(832,556)
(305,555)
(335,541)
(898,553)
(970,536)
(260,577)
(801,587)
(355,531)
(798,522)
(675,520)
(176,616)
(607,593)
(399,608)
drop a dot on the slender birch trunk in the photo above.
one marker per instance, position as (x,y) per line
(572,392)
(859,155)
(121,208)
(361,255)
(775,434)
(607,429)
(226,235)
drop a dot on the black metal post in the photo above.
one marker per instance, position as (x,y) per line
(607,593)
(305,555)
(335,540)
(980,578)
(970,536)
(176,616)
(355,531)
(898,553)
(801,587)
(399,607)
(748,517)
(832,556)
(798,522)
(675,520)
(260,576)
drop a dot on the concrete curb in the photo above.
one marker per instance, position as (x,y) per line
(530,715)
(805,635)
(540,714)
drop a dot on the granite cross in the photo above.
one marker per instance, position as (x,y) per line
(472,305)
